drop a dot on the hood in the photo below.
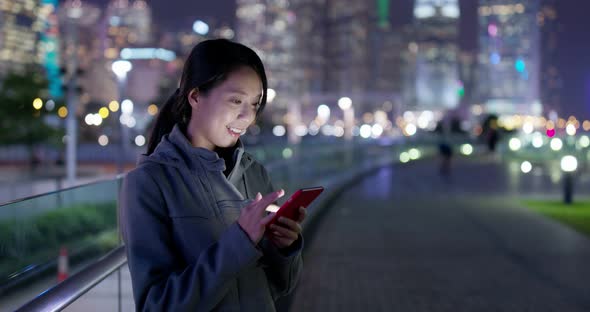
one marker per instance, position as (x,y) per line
(175,150)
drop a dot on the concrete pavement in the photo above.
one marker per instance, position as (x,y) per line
(406,240)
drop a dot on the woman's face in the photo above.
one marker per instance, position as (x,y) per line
(225,112)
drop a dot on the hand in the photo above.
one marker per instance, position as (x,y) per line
(286,231)
(253,218)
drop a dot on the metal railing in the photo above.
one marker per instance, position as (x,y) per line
(63,294)
(302,169)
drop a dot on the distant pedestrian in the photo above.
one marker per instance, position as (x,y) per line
(193,216)
(492,135)
(446,153)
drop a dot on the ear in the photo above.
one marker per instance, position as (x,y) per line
(193,97)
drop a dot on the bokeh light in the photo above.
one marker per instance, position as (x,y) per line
(556,144)
(526,166)
(140,140)
(514,144)
(570,129)
(279,130)
(466,149)
(152,110)
(114,106)
(37,103)
(103,112)
(404,157)
(103,140)
(344,103)
(50,105)
(366,131)
(127,107)
(410,129)
(287,153)
(376,130)
(528,127)
(62,112)
(414,153)
(537,140)
(569,163)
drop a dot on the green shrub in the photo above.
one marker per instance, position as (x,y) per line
(37,239)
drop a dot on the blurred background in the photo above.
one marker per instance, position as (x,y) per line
(464,97)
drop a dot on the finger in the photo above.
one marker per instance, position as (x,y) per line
(277,234)
(277,241)
(302,215)
(290,224)
(252,204)
(282,242)
(284,231)
(269,199)
(264,221)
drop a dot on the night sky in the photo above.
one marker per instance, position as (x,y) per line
(573,56)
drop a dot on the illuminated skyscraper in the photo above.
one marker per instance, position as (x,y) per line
(21,24)
(319,50)
(348,65)
(551,81)
(310,45)
(268,28)
(509,58)
(126,25)
(433,58)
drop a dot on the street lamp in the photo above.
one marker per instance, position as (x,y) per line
(569,164)
(345,104)
(121,68)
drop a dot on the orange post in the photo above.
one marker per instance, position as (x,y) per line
(62,264)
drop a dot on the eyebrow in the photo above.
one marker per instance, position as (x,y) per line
(237,91)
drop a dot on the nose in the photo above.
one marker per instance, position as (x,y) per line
(247,113)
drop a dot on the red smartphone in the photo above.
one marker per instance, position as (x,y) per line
(302,198)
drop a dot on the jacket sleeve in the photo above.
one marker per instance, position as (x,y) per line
(161,280)
(283,267)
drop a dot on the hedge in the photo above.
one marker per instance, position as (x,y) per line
(37,239)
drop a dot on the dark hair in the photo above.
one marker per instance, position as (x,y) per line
(208,65)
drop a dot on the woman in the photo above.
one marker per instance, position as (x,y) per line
(193,216)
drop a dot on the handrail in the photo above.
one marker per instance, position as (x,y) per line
(117,177)
(60,296)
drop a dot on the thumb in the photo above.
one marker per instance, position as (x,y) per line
(264,221)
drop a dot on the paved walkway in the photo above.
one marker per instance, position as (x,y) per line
(405,240)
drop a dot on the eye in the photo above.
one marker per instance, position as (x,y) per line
(236,101)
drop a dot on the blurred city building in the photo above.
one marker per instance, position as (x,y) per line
(126,24)
(434,57)
(21,26)
(319,51)
(551,76)
(269,28)
(509,56)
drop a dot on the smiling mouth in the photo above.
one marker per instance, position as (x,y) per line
(236,131)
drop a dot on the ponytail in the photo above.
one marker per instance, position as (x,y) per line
(174,111)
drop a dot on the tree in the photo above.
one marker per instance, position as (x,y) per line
(20,122)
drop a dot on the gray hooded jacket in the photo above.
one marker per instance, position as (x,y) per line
(185,250)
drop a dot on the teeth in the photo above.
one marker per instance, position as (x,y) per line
(237,131)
